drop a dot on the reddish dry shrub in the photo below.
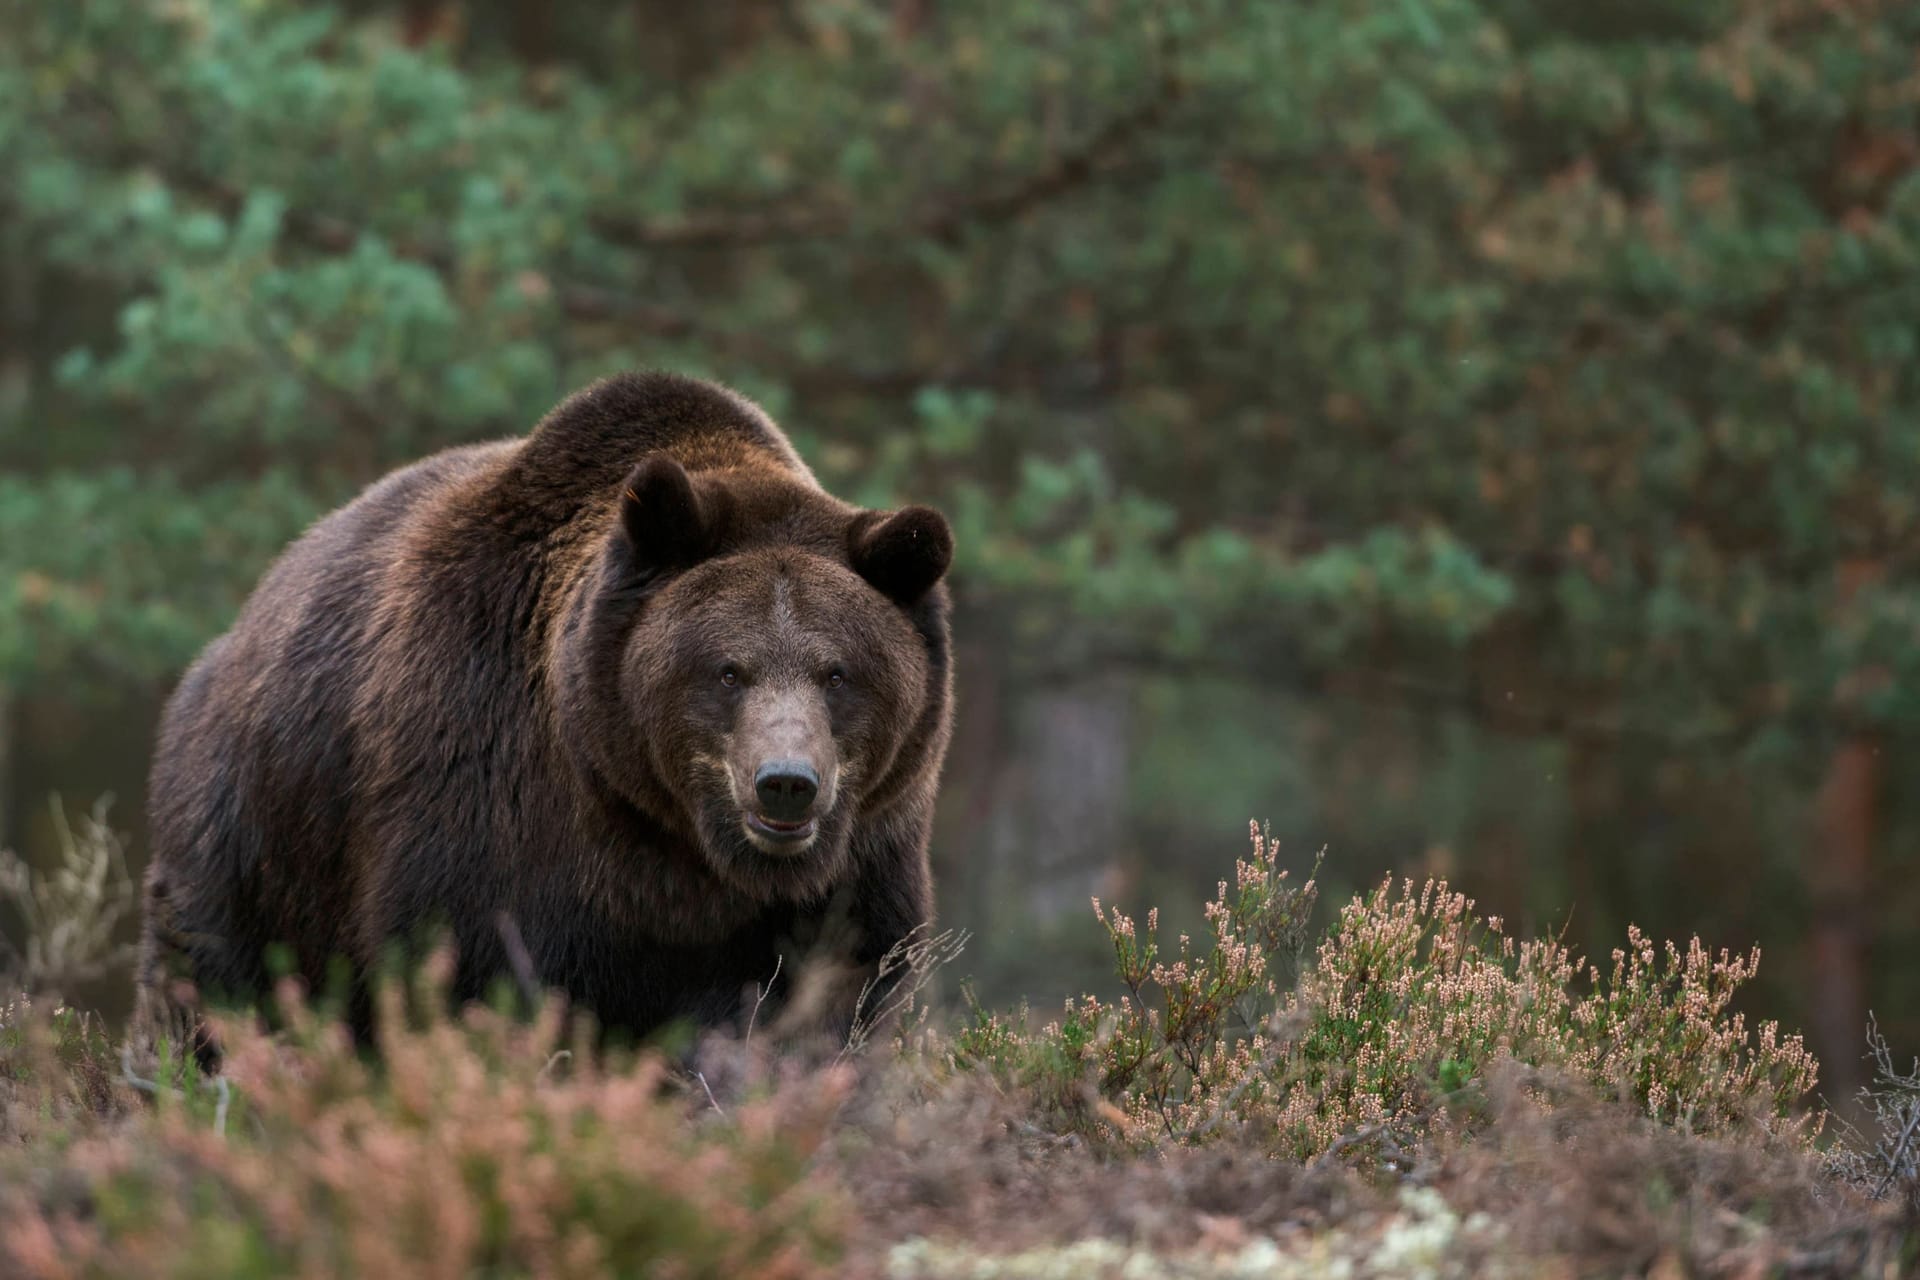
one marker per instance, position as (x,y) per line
(476,1145)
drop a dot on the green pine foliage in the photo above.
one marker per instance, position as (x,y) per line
(1406,334)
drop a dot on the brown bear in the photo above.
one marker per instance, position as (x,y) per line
(631,702)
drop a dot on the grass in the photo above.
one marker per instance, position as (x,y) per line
(1413,1093)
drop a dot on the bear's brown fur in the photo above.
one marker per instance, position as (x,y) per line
(546,694)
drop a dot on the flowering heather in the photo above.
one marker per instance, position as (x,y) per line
(1414,997)
(1389,1036)
(1188,1035)
(1659,1032)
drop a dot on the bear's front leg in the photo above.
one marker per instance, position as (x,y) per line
(891,909)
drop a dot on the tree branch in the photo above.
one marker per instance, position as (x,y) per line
(942,218)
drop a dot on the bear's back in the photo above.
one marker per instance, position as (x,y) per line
(582,449)
(252,779)
(450,538)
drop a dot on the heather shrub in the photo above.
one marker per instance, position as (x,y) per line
(1191,1030)
(1414,998)
(1389,1035)
(489,1144)
(474,1145)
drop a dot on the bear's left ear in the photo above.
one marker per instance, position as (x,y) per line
(668,524)
(903,554)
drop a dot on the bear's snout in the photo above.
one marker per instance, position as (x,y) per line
(786,790)
(786,793)
(787,754)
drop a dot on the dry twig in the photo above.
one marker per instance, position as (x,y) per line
(73,911)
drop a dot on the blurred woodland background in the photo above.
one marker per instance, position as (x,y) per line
(1480,436)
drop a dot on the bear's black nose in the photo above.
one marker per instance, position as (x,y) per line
(786,789)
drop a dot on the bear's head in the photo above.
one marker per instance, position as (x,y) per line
(772,666)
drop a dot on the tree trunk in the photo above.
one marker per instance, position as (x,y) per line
(533,31)
(6,768)
(971,791)
(1598,845)
(909,19)
(686,43)
(1065,783)
(1840,877)
(425,22)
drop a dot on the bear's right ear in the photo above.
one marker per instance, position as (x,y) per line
(667,524)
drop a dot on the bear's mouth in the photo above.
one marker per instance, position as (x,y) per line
(786,835)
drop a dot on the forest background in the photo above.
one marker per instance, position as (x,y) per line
(1480,436)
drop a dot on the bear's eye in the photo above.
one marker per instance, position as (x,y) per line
(729,677)
(836,678)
